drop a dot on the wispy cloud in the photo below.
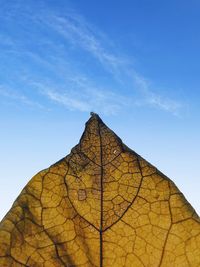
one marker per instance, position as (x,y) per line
(153,99)
(84,97)
(72,86)
(15,96)
(67,101)
(80,33)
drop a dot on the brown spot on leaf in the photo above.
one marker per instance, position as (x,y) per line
(82,194)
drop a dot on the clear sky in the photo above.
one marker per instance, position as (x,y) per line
(134,62)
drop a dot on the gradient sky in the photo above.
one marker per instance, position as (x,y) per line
(134,62)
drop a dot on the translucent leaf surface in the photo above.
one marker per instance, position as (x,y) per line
(102,205)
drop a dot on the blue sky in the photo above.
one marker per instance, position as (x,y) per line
(135,63)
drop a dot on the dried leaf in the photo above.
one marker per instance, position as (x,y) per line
(102,205)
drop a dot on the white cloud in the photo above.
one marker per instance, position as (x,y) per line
(80,33)
(76,89)
(154,99)
(84,97)
(69,102)
(13,95)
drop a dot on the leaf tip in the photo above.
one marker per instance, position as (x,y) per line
(93,114)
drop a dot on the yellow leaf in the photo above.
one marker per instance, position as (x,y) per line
(102,205)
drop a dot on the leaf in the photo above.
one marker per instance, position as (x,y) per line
(102,205)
